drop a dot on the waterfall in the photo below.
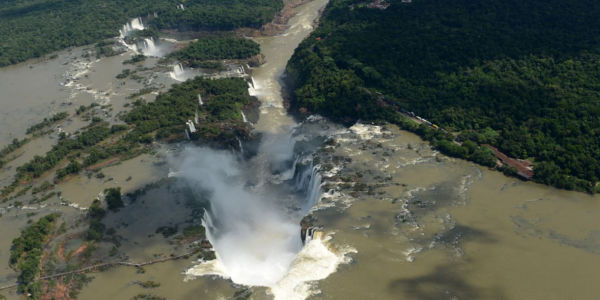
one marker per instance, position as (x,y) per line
(244,117)
(308,181)
(251,90)
(191,126)
(132,25)
(149,47)
(240,145)
(178,73)
(252,87)
(200,103)
(127,29)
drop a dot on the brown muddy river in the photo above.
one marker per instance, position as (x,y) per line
(396,220)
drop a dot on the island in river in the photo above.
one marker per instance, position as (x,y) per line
(384,215)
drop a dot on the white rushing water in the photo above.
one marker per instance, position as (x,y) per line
(256,206)
(149,48)
(253,238)
(131,26)
(181,73)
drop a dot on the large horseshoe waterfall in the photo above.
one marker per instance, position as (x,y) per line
(256,205)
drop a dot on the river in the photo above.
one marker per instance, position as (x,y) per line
(396,219)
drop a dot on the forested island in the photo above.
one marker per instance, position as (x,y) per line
(523,76)
(31,29)
(203,52)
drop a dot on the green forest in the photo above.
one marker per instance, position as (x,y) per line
(212,48)
(26,252)
(33,28)
(220,117)
(523,76)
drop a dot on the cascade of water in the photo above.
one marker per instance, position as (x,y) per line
(200,100)
(244,117)
(178,73)
(240,145)
(132,25)
(149,47)
(251,90)
(308,181)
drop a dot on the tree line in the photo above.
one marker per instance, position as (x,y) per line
(33,28)
(523,76)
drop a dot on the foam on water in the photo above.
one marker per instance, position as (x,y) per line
(316,261)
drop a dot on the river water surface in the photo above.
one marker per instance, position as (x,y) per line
(396,220)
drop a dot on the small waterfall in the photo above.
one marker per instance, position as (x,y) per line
(252,87)
(308,181)
(191,126)
(133,25)
(200,103)
(196,117)
(240,145)
(244,117)
(311,233)
(180,6)
(178,73)
(127,29)
(149,47)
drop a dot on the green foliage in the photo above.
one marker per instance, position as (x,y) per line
(193,230)
(212,48)
(523,76)
(113,198)
(224,99)
(149,284)
(26,252)
(124,74)
(96,228)
(135,59)
(106,49)
(40,164)
(72,168)
(14,145)
(48,121)
(147,297)
(32,28)
(42,187)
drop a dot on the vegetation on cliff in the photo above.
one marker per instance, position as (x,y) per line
(523,76)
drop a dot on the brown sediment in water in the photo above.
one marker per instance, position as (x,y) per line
(431,227)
